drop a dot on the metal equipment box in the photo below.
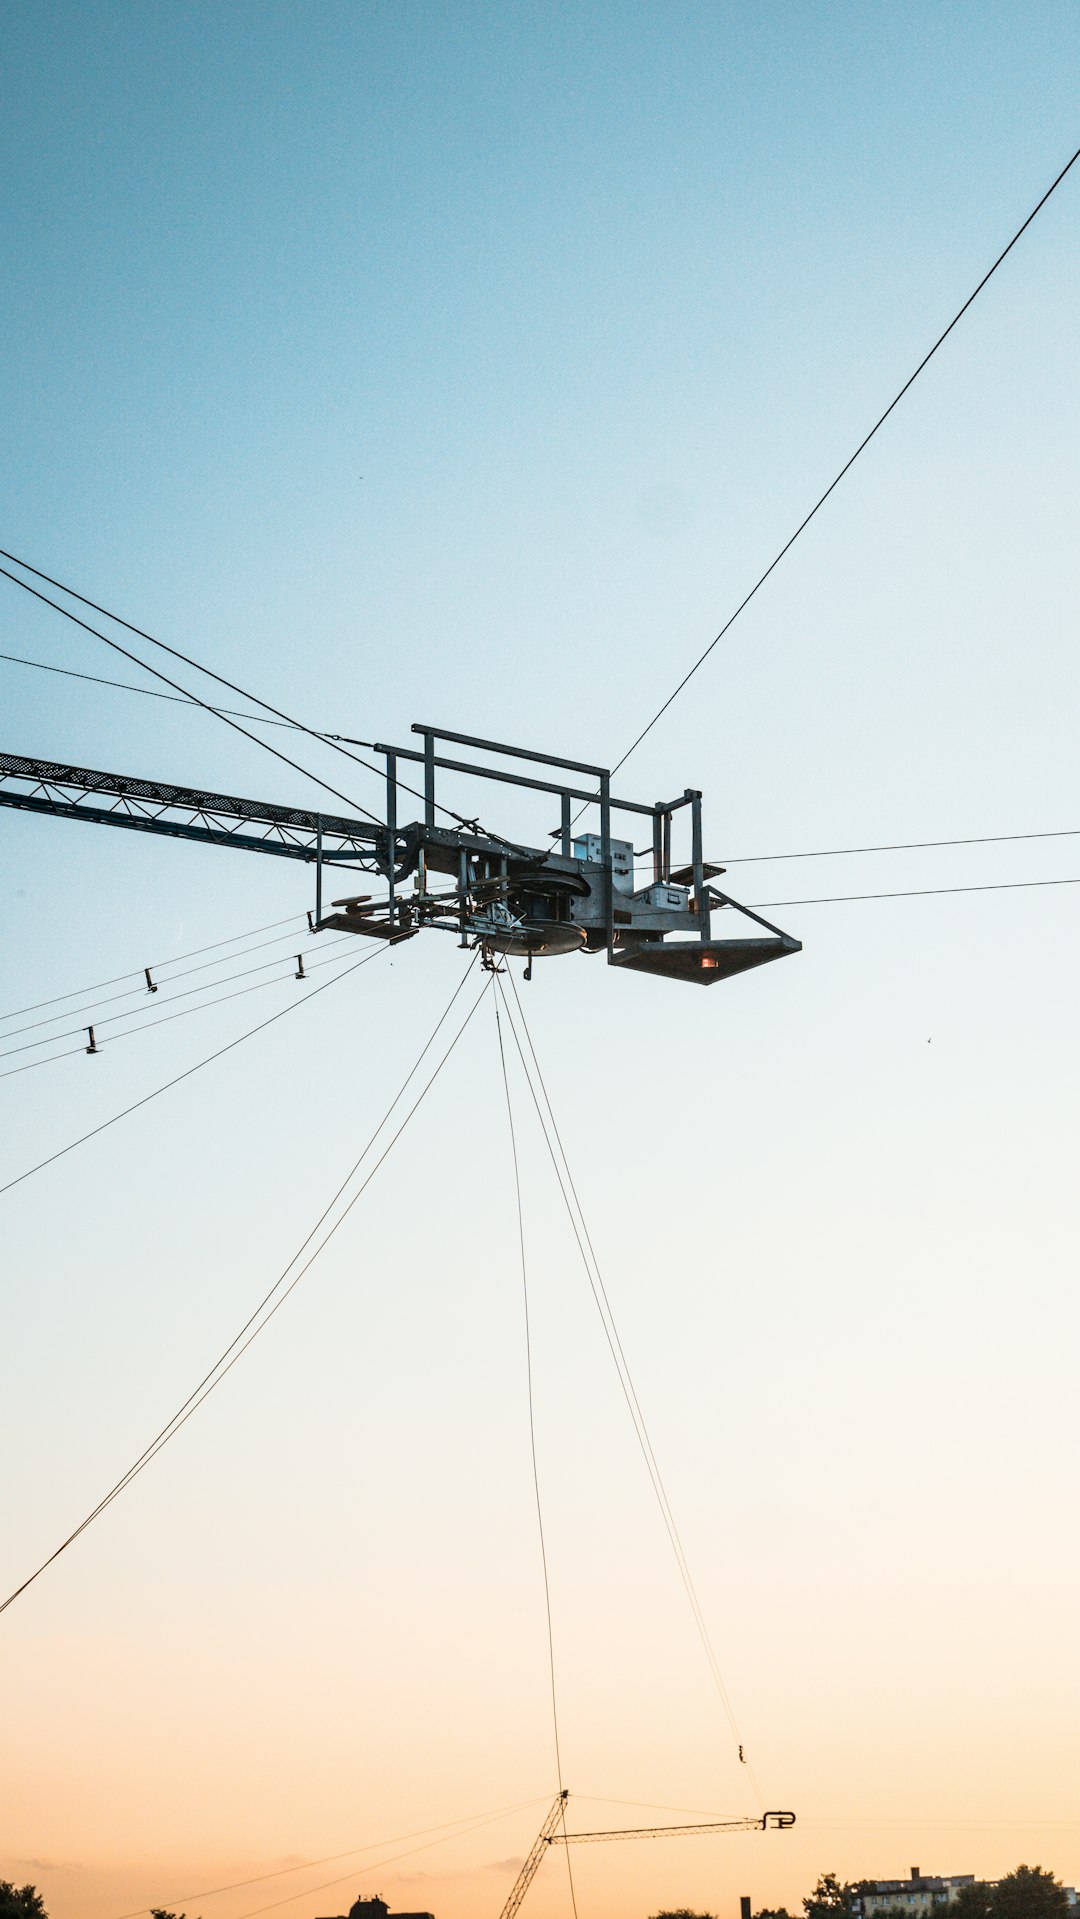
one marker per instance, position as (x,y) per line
(588,847)
(665,898)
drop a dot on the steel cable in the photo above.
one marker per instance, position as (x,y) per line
(188,1072)
(611,1333)
(532,1425)
(155,966)
(261,1317)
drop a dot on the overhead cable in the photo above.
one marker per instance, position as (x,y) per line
(902,846)
(375,1864)
(550,1129)
(531,1402)
(338,742)
(217,711)
(264,1311)
(148,986)
(724,859)
(135,1032)
(918,893)
(329,1859)
(137,972)
(175,699)
(848,464)
(177,1078)
(137,1013)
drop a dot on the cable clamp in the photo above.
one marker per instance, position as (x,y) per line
(93,1046)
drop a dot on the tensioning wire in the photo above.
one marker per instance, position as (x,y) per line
(136,972)
(329,1859)
(218,1053)
(134,1032)
(595,1277)
(261,1317)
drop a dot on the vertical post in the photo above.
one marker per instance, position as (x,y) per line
(318,871)
(665,873)
(699,866)
(605,855)
(391,827)
(657,843)
(429,779)
(463,895)
(566,843)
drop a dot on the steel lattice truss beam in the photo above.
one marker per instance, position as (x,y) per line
(186,813)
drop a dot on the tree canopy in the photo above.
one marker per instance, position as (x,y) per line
(682,1912)
(1030,1892)
(831,1897)
(20,1902)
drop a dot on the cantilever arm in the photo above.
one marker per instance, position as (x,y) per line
(768,1822)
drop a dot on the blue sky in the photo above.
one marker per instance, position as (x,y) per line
(467,364)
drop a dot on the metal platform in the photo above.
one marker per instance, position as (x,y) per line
(572,890)
(703,961)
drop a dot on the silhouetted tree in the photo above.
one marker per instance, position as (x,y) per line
(831,1897)
(682,1912)
(773,1912)
(20,1902)
(1029,1893)
(972,1902)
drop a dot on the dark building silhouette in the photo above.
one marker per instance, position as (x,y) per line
(377,1908)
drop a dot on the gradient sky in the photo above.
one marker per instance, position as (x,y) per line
(466,363)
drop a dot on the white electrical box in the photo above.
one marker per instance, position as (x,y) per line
(622,859)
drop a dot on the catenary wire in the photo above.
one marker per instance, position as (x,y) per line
(603,1305)
(532,1424)
(260,1318)
(175,699)
(896,846)
(848,464)
(748,859)
(375,1864)
(338,742)
(139,1012)
(155,966)
(917,893)
(166,1019)
(330,1858)
(67,614)
(91,1006)
(118,620)
(726,860)
(177,1078)
(902,846)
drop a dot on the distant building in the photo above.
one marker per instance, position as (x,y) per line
(918,1896)
(378,1909)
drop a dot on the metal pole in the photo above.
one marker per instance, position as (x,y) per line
(605,855)
(657,843)
(566,826)
(429,779)
(391,826)
(318,871)
(700,894)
